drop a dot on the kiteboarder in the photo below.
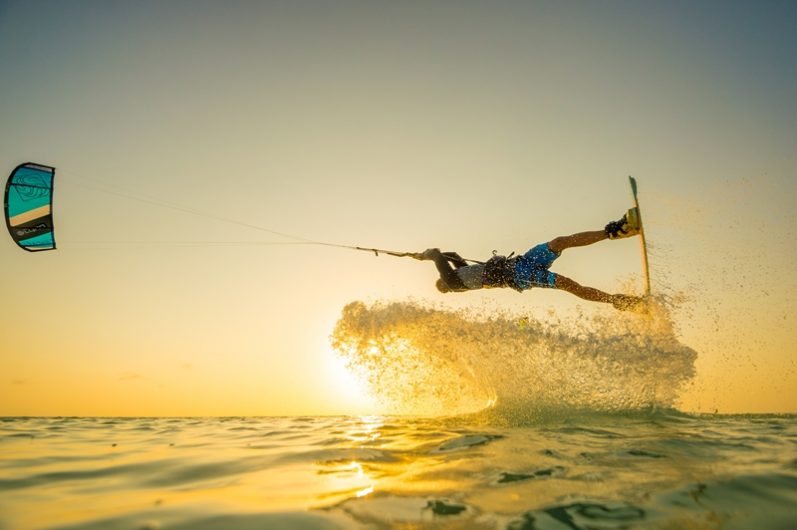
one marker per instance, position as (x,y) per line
(532,268)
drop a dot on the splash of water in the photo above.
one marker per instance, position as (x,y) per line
(419,359)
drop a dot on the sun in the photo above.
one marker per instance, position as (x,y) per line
(350,391)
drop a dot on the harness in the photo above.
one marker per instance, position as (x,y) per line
(499,271)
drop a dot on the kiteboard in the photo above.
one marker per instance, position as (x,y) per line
(642,243)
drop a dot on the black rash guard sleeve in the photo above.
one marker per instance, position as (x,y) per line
(447,273)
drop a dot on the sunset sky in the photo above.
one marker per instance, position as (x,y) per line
(470,126)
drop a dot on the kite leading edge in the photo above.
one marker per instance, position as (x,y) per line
(28,206)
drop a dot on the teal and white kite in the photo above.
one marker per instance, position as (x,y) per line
(28,206)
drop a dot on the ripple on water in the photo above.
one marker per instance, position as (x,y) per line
(580,516)
(179,520)
(508,477)
(466,442)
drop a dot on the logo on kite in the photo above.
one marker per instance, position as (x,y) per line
(32,230)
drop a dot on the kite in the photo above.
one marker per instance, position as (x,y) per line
(28,206)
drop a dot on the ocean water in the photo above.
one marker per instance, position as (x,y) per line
(493,421)
(586,471)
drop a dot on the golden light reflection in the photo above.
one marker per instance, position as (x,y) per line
(366,491)
(347,480)
(350,478)
(369,430)
(361,474)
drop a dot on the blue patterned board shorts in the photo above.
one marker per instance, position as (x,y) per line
(531,269)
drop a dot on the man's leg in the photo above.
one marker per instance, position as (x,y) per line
(587,293)
(620,301)
(581,239)
(627,226)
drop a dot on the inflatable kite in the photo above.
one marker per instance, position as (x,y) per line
(28,206)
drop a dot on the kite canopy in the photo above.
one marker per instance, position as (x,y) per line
(28,206)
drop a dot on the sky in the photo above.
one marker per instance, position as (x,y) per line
(466,125)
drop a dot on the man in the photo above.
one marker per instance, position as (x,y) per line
(532,268)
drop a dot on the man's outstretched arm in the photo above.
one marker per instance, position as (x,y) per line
(456,259)
(447,273)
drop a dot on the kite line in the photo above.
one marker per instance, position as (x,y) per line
(110,189)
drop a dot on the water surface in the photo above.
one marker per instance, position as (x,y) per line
(587,470)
